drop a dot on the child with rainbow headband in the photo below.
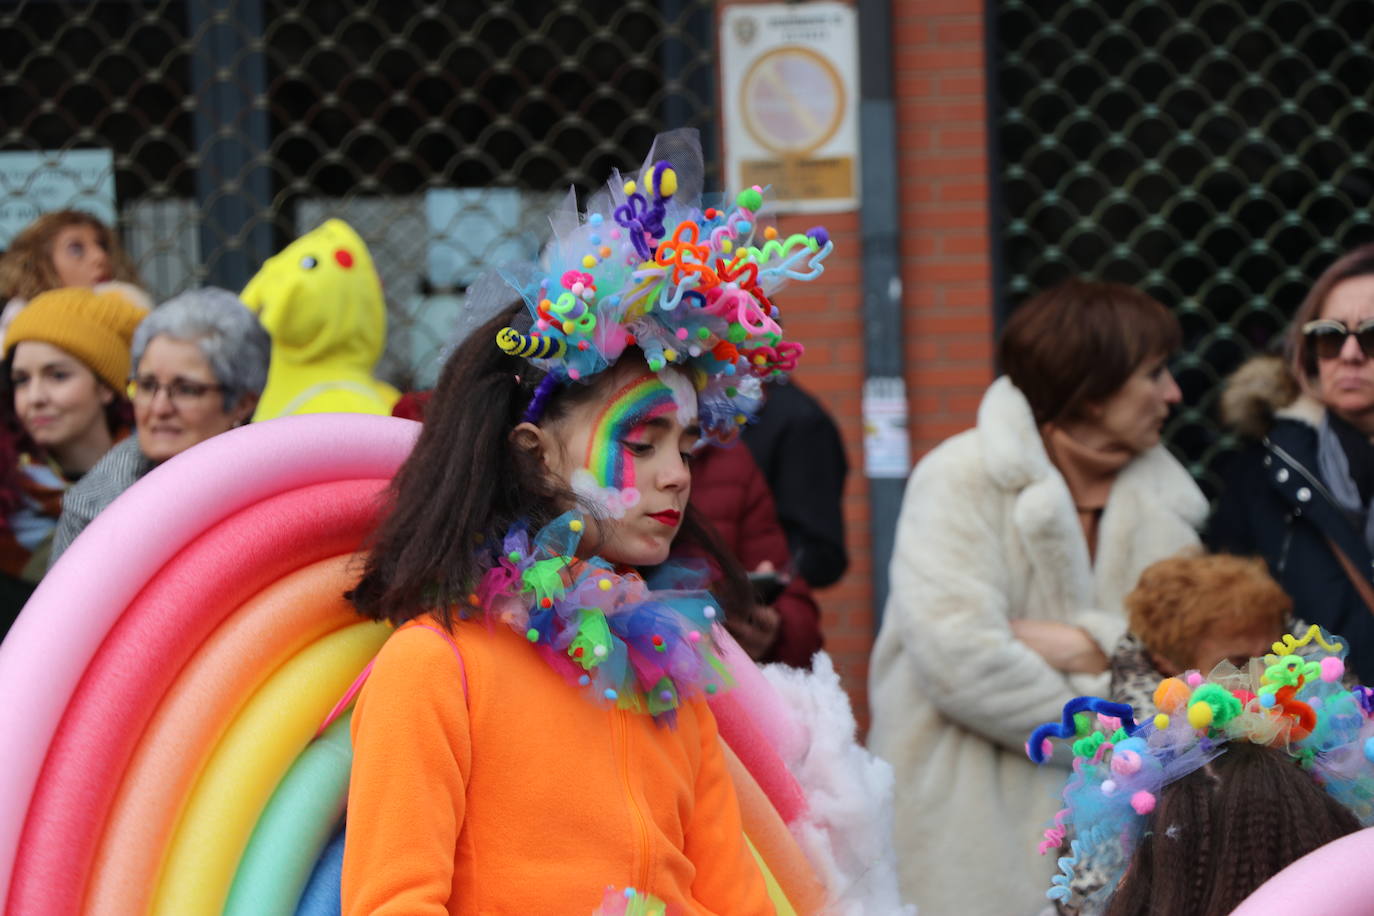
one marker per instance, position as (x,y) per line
(1234,776)
(536,729)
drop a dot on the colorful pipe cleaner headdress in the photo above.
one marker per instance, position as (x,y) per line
(650,264)
(1292,699)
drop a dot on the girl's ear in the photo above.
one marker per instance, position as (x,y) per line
(105,393)
(532,438)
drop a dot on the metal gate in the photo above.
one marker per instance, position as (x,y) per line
(439,130)
(1215,154)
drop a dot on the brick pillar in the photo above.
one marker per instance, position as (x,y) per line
(946,279)
(942,148)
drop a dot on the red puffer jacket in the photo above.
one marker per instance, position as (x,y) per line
(730,490)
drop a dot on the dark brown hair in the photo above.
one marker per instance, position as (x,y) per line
(1358,263)
(26,268)
(1178,599)
(1220,832)
(466,481)
(1077,343)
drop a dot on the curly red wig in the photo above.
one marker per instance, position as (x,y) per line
(1179,599)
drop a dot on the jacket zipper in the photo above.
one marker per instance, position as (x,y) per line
(1283,550)
(1311,479)
(619,718)
(1307,475)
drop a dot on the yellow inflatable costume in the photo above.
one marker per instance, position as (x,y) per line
(321,301)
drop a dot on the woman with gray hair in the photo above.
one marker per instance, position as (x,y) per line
(200,363)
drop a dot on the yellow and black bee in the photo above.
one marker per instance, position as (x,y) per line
(516,344)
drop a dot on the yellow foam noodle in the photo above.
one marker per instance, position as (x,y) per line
(252,757)
(781,905)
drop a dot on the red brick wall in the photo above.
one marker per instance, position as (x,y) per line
(942,157)
(942,179)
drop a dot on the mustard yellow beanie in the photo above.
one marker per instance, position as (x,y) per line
(96,328)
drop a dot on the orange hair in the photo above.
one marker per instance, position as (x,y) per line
(1179,599)
(26,269)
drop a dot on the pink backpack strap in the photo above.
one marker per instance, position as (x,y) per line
(351,693)
(458,656)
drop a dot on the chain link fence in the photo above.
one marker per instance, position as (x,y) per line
(440,130)
(1215,154)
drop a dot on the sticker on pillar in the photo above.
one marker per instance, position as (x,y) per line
(887,451)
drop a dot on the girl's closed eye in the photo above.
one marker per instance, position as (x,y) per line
(637,448)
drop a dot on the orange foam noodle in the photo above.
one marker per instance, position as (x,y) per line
(214,685)
(764,826)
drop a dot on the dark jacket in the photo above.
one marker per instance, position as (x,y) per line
(799,449)
(1276,506)
(729,489)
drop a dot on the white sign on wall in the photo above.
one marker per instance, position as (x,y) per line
(886,438)
(35,183)
(789,92)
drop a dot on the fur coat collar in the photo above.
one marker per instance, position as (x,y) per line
(1154,482)
(1261,391)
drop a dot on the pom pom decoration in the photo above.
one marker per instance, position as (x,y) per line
(1171,695)
(678,271)
(1200,715)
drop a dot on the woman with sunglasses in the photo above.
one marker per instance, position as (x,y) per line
(1300,494)
(199,366)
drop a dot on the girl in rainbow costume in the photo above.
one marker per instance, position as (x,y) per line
(536,730)
(1232,777)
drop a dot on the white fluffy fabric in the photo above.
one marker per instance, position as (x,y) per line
(847,831)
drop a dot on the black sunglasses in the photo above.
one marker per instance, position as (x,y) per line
(1326,336)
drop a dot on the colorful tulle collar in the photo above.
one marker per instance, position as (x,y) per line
(641,645)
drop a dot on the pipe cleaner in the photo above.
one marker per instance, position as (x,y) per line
(1293,699)
(650,264)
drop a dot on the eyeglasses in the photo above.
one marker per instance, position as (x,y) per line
(1327,336)
(181,391)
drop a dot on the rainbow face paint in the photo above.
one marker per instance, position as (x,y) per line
(608,474)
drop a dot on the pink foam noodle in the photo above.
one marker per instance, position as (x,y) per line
(759,701)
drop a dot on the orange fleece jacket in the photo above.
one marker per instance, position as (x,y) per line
(527,797)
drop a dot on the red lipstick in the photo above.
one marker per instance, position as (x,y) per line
(669,517)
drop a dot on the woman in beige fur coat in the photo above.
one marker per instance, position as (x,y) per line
(1016,544)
